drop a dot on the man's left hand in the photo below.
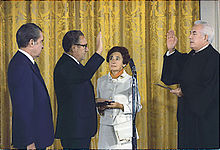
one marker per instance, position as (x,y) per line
(177,92)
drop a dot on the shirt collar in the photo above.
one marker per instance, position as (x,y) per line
(72,57)
(202,48)
(28,55)
(122,76)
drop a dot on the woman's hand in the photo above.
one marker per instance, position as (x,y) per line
(100,100)
(116,105)
(101,108)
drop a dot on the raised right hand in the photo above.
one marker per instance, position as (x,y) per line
(171,40)
(99,44)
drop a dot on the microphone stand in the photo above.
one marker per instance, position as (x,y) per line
(134,93)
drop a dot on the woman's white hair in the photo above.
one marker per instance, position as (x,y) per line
(206,30)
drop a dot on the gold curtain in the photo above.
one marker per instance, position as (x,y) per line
(141,26)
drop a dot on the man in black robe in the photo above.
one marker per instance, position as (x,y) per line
(197,73)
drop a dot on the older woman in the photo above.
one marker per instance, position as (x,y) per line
(116,87)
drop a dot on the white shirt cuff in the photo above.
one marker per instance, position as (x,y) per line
(168,53)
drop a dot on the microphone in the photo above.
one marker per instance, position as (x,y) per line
(132,66)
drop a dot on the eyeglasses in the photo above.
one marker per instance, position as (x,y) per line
(85,46)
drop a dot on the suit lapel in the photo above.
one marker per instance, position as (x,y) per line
(37,71)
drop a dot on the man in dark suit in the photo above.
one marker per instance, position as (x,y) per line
(198,75)
(76,117)
(32,124)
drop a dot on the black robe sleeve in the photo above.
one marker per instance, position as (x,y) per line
(172,67)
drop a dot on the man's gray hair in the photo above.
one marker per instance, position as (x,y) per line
(206,30)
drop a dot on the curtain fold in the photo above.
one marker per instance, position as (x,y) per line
(140,26)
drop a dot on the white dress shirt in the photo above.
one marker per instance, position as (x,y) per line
(28,55)
(72,57)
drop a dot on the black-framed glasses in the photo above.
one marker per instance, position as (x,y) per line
(85,45)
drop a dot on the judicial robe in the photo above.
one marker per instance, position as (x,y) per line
(198,108)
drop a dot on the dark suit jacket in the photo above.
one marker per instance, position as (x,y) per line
(32,115)
(76,116)
(198,108)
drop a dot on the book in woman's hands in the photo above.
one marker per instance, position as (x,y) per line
(101,104)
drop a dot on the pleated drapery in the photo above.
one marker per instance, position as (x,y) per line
(140,26)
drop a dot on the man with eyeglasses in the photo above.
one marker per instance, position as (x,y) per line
(76,117)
